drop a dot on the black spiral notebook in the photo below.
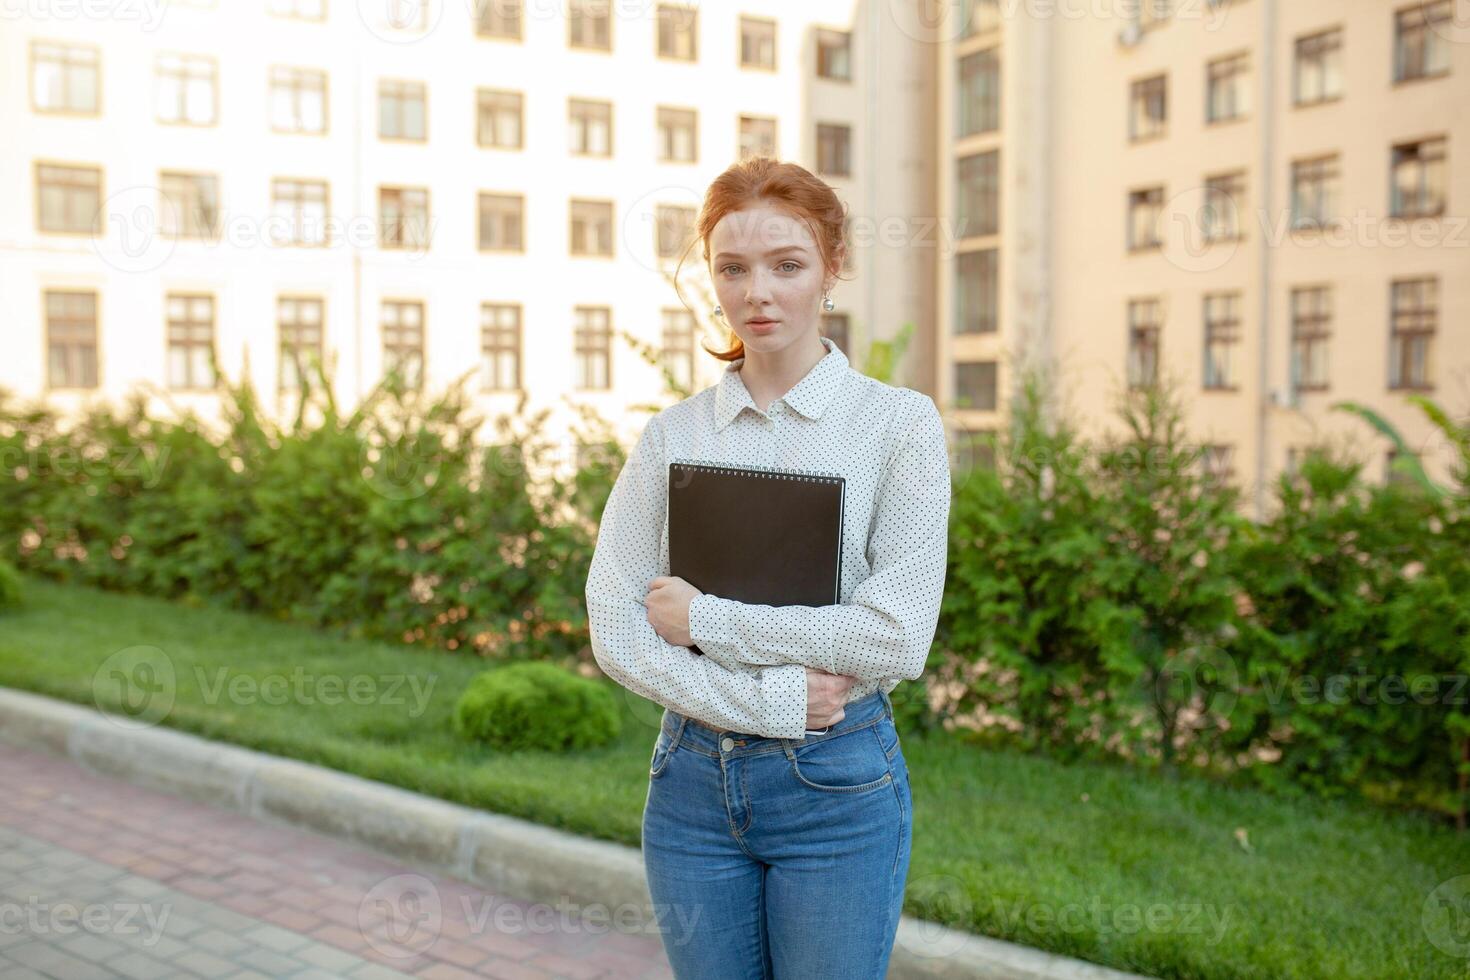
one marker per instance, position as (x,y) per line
(753,534)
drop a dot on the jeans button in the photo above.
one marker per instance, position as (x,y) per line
(727,744)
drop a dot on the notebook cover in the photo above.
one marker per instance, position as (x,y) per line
(757,535)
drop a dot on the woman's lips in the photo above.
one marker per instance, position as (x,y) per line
(761,326)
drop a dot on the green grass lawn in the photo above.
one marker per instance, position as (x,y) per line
(1146,874)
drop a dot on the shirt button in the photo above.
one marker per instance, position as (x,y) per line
(727,744)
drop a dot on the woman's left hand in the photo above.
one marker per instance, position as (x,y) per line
(668,608)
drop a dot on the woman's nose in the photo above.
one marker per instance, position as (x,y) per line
(758,289)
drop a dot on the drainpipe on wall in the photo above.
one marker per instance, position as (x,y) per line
(1265,396)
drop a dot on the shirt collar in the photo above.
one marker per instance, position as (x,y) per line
(810,396)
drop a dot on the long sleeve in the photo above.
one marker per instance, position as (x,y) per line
(887,626)
(770,702)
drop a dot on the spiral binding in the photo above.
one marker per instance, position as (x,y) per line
(802,475)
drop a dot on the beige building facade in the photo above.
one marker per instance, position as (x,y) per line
(1265,201)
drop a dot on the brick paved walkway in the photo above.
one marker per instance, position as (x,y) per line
(99,878)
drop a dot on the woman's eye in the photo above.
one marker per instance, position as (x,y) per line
(796,266)
(729,267)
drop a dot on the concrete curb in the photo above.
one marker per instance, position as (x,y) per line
(504,854)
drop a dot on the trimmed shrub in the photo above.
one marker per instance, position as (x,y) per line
(537,705)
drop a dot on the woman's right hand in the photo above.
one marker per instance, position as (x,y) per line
(825,696)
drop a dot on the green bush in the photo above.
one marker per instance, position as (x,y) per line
(10,588)
(537,705)
(395,521)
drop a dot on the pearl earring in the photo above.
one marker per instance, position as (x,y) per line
(827,304)
(718,311)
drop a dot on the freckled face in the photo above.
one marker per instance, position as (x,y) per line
(768,276)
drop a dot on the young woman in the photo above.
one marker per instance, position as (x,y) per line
(777,826)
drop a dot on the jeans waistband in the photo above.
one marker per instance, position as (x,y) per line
(856,714)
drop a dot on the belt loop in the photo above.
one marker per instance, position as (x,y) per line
(887,702)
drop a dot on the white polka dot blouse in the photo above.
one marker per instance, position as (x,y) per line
(889,445)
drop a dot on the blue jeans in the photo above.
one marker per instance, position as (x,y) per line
(775,857)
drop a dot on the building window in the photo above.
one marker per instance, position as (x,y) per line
(589,130)
(834,54)
(1318,76)
(299,9)
(1311,329)
(677,353)
(187,86)
(1222,340)
(402,110)
(592,348)
(589,25)
(498,118)
(1415,313)
(64,78)
(1314,191)
(834,150)
(1227,88)
(1217,461)
(498,18)
(674,231)
(189,205)
(591,228)
(978,98)
(975,385)
(678,135)
(978,194)
(1421,40)
(68,199)
(1220,215)
(757,136)
(1143,342)
(1144,207)
(403,341)
(299,325)
(1148,108)
(976,291)
(836,328)
(1418,188)
(190,341)
(502,220)
(978,17)
(403,217)
(500,347)
(298,100)
(757,43)
(678,32)
(71,339)
(299,207)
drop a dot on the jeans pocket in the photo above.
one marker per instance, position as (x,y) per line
(661,753)
(853,762)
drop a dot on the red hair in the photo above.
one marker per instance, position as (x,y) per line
(788,187)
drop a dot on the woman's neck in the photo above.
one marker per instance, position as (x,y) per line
(768,376)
